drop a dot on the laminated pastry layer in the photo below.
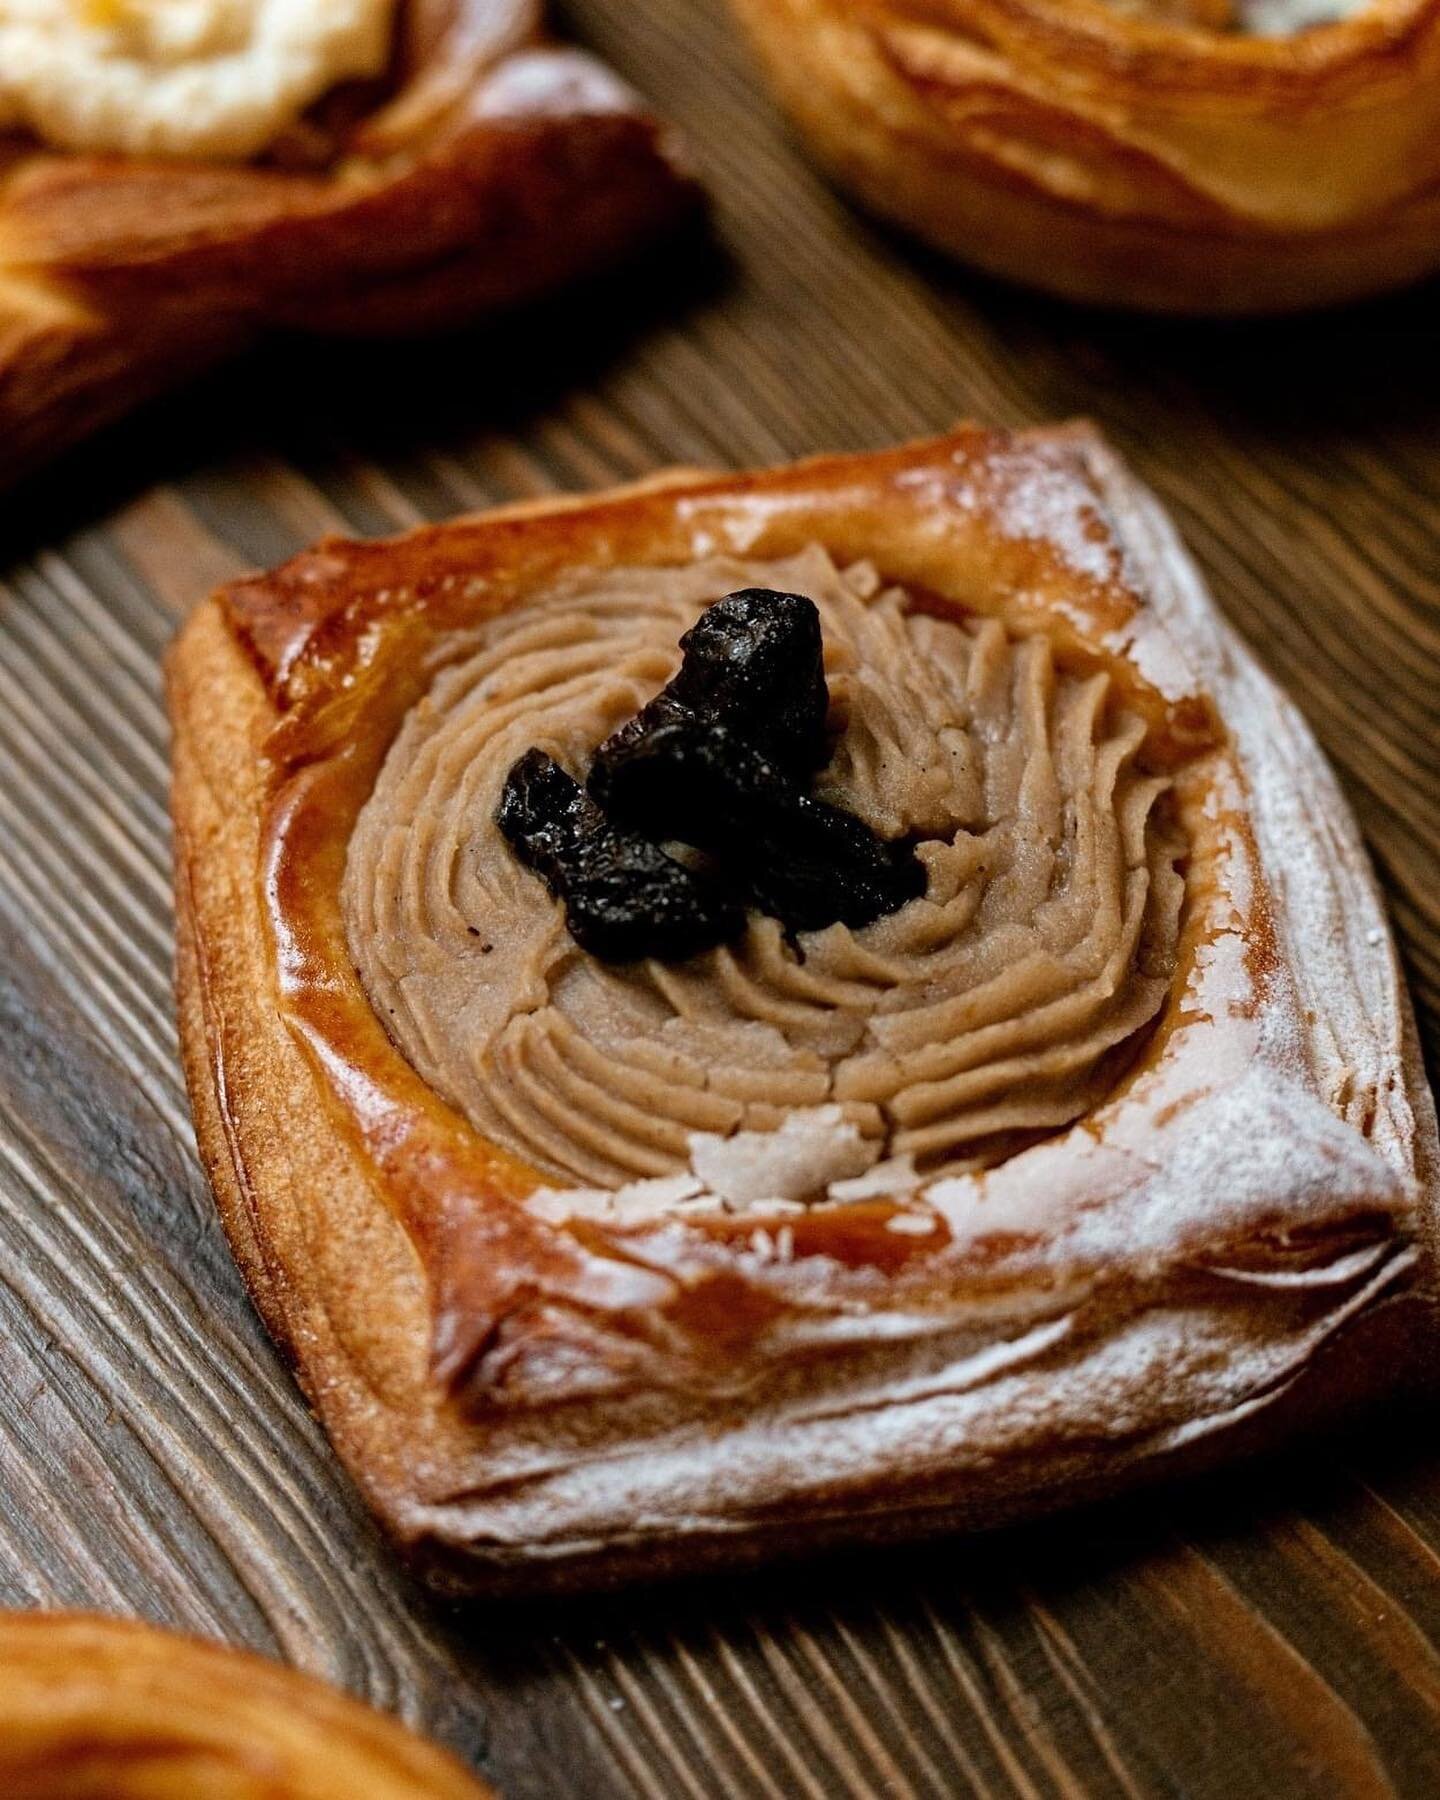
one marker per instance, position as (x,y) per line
(1003,1003)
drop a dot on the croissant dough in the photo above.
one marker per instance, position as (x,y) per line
(1237,1238)
(112,1708)
(1114,157)
(498,167)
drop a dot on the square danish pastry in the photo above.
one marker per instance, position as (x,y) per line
(756,1011)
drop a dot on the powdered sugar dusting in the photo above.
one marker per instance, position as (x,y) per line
(1259,1150)
(896,1175)
(1037,495)
(541,83)
(1025,1410)
(1040,500)
(773,1171)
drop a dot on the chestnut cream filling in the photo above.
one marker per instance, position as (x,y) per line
(1003,1003)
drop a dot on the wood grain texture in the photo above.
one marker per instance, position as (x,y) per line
(1276,1632)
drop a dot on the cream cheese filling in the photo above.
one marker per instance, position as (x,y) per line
(215,79)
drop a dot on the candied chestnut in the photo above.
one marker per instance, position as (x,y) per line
(799,859)
(624,898)
(753,662)
(719,760)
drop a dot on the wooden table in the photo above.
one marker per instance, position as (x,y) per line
(1272,1633)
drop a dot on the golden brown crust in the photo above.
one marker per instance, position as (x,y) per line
(499,167)
(1123,159)
(110,1707)
(532,1403)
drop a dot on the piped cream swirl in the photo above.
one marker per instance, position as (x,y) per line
(1001,1004)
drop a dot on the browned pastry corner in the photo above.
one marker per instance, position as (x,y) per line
(1109,1154)
(1140,155)
(106,1709)
(491,167)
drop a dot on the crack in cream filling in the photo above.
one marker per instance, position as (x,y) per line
(1003,1003)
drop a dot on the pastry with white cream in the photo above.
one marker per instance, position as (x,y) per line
(178,177)
(216,79)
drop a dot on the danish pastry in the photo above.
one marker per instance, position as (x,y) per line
(757,1011)
(124,1711)
(486,167)
(1206,156)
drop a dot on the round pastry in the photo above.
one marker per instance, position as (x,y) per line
(766,1010)
(176,179)
(1206,156)
(108,1709)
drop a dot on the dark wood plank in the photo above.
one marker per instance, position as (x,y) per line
(1271,1633)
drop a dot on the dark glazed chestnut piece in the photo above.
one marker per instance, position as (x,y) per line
(753,662)
(720,759)
(624,898)
(801,860)
(809,865)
